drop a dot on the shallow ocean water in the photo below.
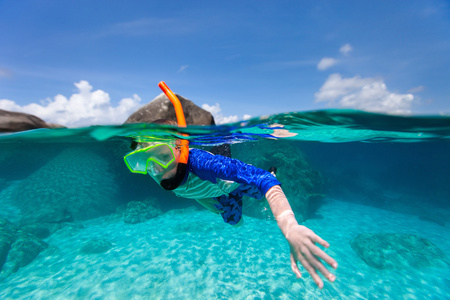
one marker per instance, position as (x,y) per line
(383,174)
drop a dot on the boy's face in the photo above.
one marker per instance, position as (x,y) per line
(159,173)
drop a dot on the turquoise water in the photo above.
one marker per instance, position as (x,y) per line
(346,173)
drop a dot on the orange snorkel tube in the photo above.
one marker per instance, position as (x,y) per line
(171,184)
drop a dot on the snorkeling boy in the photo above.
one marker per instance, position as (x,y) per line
(219,183)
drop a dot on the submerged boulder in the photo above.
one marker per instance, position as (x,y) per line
(11,121)
(75,185)
(141,211)
(96,246)
(397,251)
(7,235)
(41,230)
(302,184)
(162,108)
(3,183)
(17,248)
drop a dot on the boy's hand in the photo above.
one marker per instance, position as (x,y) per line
(302,242)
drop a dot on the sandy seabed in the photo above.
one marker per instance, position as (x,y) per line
(191,254)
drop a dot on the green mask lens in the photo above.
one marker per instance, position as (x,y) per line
(151,159)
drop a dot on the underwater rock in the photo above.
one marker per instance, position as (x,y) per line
(7,234)
(16,121)
(161,108)
(51,215)
(303,185)
(3,183)
(75,185)
(17,248)
(24,250)
(96,246)
(437,219)
(140,211)
(397,251)
(41,230)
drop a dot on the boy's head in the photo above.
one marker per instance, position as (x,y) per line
(162,160)
(159,159)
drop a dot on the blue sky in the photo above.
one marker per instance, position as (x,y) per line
(88,62)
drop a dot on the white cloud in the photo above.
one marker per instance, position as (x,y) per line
(326,63)
(219,118)
(369,94)
(182,68)
(416,89)
(84,108)
(346,49)
(5,73)
(150,26)
(226,120)
(9,105)
(213,109)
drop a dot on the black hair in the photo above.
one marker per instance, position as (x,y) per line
(133,145)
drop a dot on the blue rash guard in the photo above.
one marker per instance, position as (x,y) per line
(226,180)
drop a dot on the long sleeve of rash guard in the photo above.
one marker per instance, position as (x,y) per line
(212,167)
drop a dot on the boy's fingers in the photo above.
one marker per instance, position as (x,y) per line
(322,255)
(317,265)
(317,239)
(304,261)
(294,267)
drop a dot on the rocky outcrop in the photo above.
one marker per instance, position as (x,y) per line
(397,251)
(96,246)
(17,248)
(16,121)
(75,185)
(302,184)
(162,108)
(141,211)
(41,230)
(3,183)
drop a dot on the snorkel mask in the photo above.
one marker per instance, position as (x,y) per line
(158,158)
(151,159)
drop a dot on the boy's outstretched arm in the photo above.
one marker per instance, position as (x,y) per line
(302,241)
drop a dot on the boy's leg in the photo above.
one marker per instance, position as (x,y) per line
(273,171)
(232,204)
(232,208)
